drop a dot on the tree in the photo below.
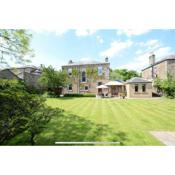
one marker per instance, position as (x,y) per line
(38,120)
(22,111)
(122,74)
(75,77)
(53,80)
(167,86)
(92,75)
(15,44)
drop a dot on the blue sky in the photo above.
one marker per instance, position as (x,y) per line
(125,48)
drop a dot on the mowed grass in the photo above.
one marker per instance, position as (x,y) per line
(128,121)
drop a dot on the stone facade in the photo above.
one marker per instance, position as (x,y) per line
(85,84)
(28,74)
(160,69)
(132,93)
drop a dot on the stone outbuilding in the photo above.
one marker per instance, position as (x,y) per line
(138,87)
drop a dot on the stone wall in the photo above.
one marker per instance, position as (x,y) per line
(130,89)
(159,70)
(171,67)
(78,87)
(31,79)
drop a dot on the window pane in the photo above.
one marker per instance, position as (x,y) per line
(143,88)
(70,87)
(100,71)
(83,76)
(136,88)
(70,71)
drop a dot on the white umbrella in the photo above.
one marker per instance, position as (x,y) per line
(102,87)
(114,83)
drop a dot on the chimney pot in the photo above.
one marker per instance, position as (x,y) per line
(106,59)
(70,62)
(152,59)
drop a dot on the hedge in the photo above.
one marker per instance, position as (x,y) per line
(79,95)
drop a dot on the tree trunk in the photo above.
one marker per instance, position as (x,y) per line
(32,139)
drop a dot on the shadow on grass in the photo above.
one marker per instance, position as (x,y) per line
(72,128)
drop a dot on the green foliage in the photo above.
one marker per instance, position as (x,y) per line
(79,95)
(92,74)
(53,80)
(21,111)
(16,44)
(123,74)
(167,86)
(13,85)
(75,75)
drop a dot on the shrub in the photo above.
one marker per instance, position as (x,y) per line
(166,86)
(20,111)
(79,95)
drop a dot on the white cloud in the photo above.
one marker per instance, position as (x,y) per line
(142,61)
(162,52)
(47,60)
(57,32)
(84,32)
(132,32)
(86,59)
(116,47)
(100,39)
(151,44)
(60,32)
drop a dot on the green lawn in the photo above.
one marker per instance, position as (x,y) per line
(128,121)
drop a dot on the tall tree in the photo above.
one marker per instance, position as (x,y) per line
(53,80)
(75,77)
(123,74)
(15,45)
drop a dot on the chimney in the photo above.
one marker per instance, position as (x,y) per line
(152,59)
(106,59)
(70,62)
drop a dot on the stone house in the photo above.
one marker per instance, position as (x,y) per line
(83,83)
(28,74)
(138,87)
(160,68)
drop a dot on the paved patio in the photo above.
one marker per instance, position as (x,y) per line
(166,137)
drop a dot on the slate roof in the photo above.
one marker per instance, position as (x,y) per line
(19,75)
(88,62)
(137,80)
(169,57)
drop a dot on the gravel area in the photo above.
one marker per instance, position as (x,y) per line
(166,137)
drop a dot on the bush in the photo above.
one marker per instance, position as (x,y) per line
(14,85)
(79,95)
(166,86)
(20,111)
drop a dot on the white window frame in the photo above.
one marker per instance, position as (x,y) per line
(135,88)
(142,87)
(70,71)
(68,88)
(100,70)
(83,71)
